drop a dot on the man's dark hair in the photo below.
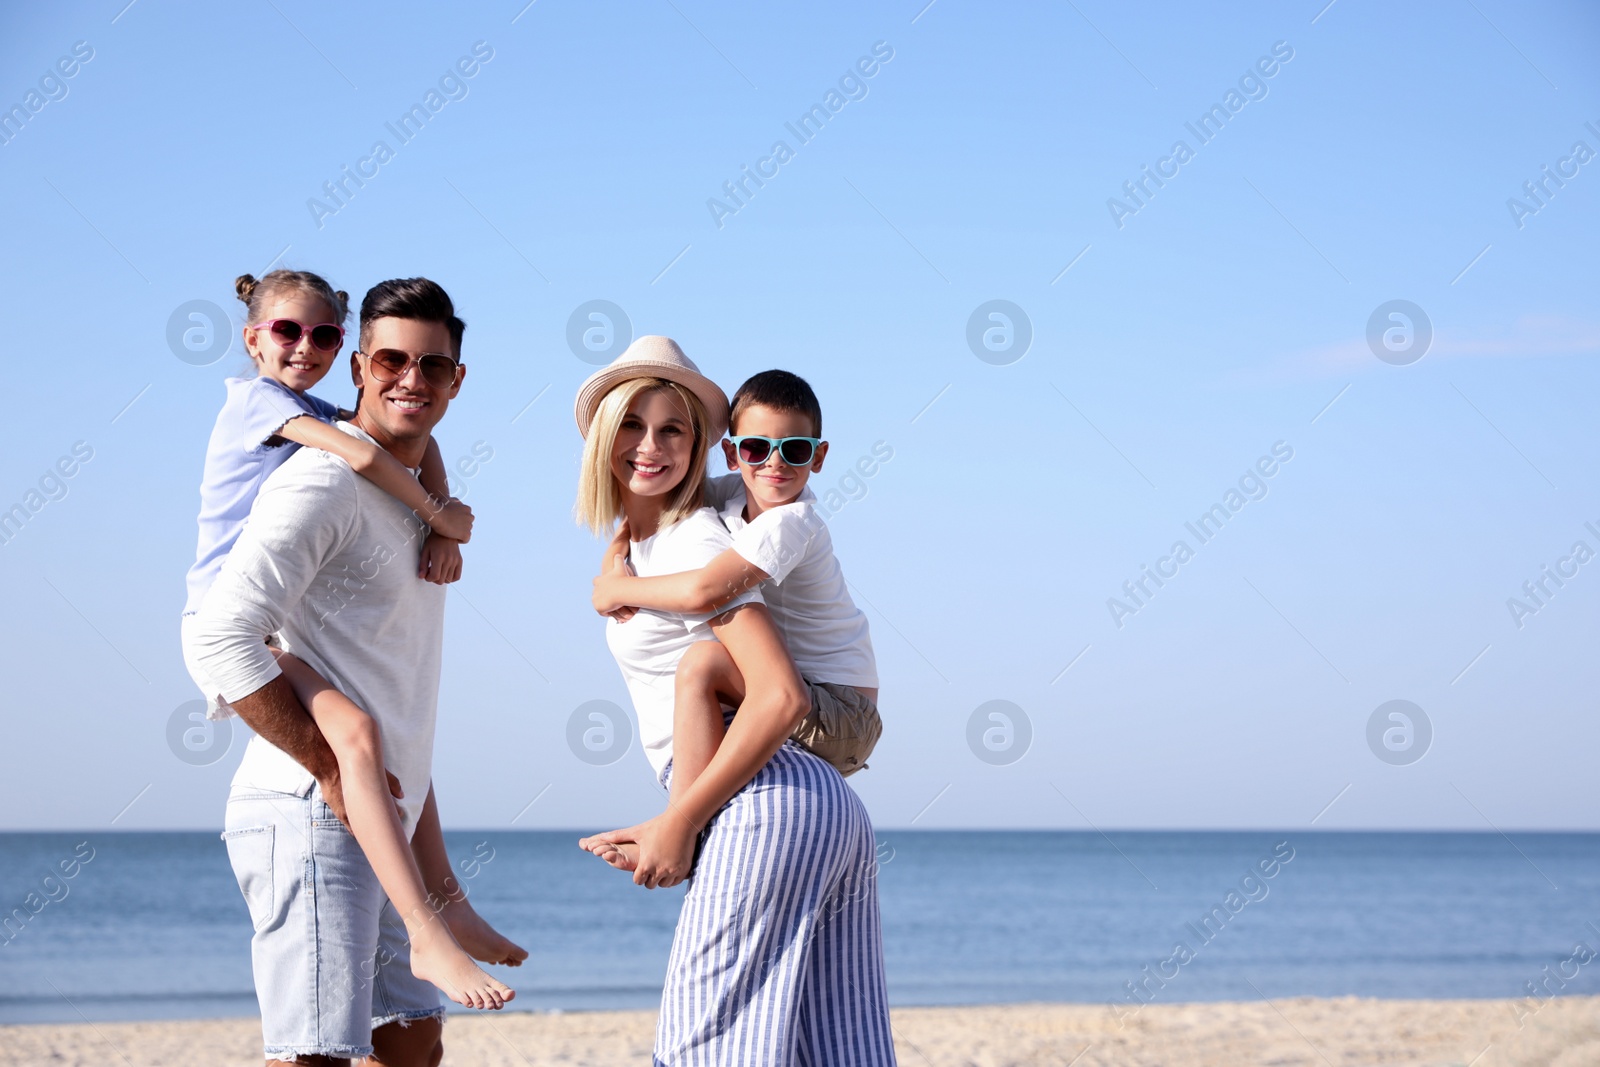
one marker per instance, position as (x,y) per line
(411,298)
(779,390)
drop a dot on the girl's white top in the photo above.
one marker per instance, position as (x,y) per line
(238,460)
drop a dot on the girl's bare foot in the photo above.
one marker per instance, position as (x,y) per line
(437,957)
(480,940)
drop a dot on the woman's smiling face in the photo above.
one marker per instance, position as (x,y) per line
(655,444)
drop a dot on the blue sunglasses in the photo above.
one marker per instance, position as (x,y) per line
(795,451)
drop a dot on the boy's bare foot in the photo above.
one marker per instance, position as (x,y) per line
(437,957)
(624,856)
(478,938)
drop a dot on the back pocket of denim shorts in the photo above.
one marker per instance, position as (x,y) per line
(250,853)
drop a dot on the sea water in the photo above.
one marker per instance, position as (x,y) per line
(151,925)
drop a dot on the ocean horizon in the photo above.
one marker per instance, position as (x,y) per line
(150,925)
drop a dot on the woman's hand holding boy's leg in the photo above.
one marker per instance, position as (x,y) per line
(623,855)
(664,848)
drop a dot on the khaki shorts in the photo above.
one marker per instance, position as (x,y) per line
(842,726)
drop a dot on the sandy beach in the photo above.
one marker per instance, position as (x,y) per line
(1346,1031)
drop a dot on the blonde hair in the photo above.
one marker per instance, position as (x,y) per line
(599,503)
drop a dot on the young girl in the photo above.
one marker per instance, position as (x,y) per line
(293,333)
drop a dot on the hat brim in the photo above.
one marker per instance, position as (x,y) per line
(711,396)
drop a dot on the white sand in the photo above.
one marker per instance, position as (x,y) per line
(1342,1032)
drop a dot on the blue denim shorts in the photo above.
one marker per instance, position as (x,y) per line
(331,959)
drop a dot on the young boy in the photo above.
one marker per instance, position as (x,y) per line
(781,544)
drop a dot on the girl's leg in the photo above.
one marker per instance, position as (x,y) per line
(353,735)
(707,678)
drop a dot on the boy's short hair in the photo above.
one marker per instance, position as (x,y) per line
(412,298)
(780,390)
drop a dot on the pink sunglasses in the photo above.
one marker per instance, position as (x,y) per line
(327,336)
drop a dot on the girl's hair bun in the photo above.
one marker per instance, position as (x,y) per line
(257,293)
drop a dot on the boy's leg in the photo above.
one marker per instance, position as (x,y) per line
(375,824)
(707,678)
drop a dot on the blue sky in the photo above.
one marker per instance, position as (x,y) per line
(1229,313)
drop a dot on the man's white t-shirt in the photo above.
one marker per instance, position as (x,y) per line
(648,646)
(805,589)
(328,562)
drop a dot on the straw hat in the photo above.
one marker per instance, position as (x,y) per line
(652,356)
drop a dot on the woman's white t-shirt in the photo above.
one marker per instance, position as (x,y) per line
(648,646)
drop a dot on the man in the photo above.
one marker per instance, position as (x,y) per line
(329,563)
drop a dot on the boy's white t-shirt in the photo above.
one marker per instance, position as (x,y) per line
(648,646)
(805,590)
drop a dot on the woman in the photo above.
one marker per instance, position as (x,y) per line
(778,957)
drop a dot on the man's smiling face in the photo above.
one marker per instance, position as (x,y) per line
(406,410)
